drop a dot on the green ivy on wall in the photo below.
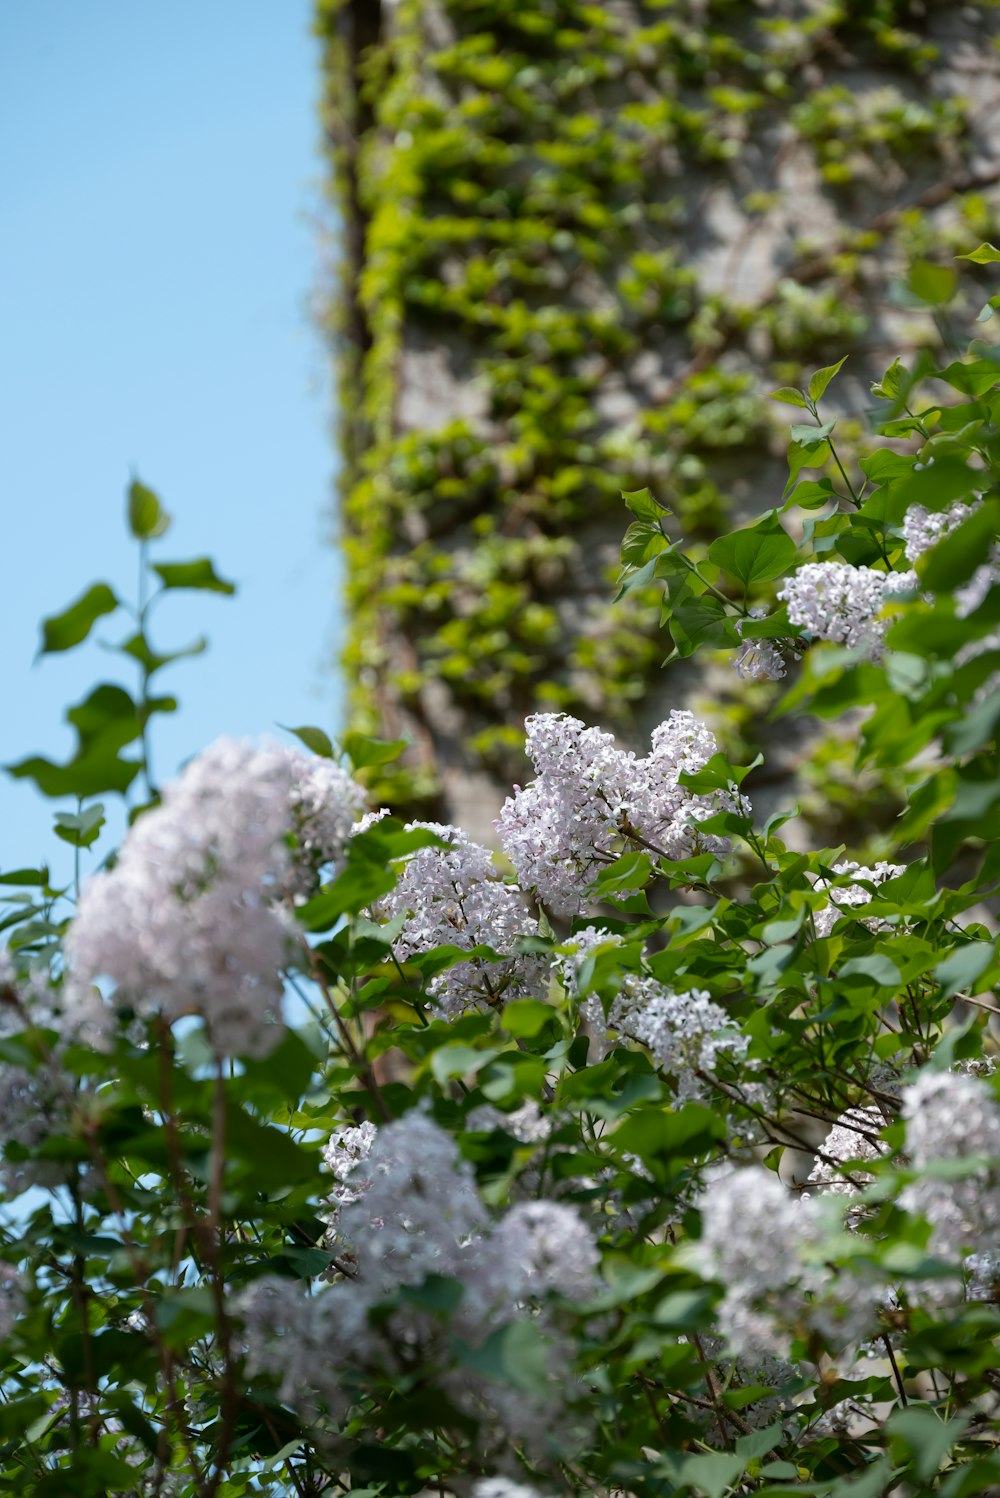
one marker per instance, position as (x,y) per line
(520,190)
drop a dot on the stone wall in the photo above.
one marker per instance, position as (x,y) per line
(581,243)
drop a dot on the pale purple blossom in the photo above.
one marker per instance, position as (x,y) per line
(846,899)
(854,1137)
(454,896)
(838,602)
(923,529)
(951,1118)
(590,799)
(195,918)
(770,1250)
(758,659)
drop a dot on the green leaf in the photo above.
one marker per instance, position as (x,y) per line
(713,1472)
(363,751)
(789,395)
(73,625)
(200,574)
(82,830)
(959,971)
(986,254)
(105,722)
(893,383)
(933,284)
(641,542)
(313,738)
(924,1436)
(957,556)
(146,516)
(822,378)
(515,1354)
(643,505)
(808,436)
(758,554)
(524,1018)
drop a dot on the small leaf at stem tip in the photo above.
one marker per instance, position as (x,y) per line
(821,379)
(313,738)
(643,505)
(147,518)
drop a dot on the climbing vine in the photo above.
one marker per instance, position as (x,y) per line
(578,266)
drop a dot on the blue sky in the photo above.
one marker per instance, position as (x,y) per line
(163,242)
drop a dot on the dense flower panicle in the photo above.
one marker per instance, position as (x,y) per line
(589,797)
(12,1300)
(841,603)
(189,919)
(758,659)
(326,804)
(528,1124)
(950,1117)
(454,896)
(846,899)
(551,1247)
(924,528)
(685,1032)
(768,1248)
(34,1100)
(412,1211)
(420,1210)
(348,1148)
(855,1136)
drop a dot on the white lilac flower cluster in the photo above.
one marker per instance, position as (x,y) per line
(34,1101)
(411,1210)
(758,659)
(838,602)
(589,797)
(190,920)
(12,1300)
(854,1137)
(923,529)
(770,1250)
(845,899)
(950,1119)
(454,896)
(685,1032)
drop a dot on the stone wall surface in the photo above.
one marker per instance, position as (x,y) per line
(581,244)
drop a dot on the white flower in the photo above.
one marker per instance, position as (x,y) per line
(844,900)
(954,1118)
(758,659)
(190,919)
(769,1249)
(841,603)
(590,798)
(454,896)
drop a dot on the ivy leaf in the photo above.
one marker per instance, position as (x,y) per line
(200,574)
(758,554)
(73,625)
